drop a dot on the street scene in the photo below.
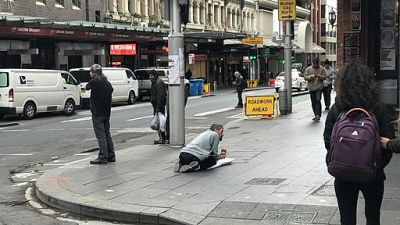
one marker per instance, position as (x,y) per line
(199,112)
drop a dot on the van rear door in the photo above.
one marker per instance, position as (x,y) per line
(71,87)
(120,85)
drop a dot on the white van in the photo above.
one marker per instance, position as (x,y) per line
(124,82)
(30,91)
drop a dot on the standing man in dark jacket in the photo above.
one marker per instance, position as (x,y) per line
(100,106)
(158,98)
(239,88)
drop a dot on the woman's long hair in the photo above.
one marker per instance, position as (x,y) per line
(356,87)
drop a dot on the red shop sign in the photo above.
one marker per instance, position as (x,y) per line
(123,49)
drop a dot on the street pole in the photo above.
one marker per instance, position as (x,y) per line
(288,65)
(176,78)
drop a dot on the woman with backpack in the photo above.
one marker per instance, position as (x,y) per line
(356,88)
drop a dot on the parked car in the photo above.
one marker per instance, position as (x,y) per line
(29,91)
(145,82)
(298,81)
(124,82)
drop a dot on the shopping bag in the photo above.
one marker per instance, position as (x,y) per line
(155,122)
(162,121)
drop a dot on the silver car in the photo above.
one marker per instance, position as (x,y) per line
(298,81)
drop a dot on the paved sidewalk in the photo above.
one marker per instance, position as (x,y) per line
(278,177)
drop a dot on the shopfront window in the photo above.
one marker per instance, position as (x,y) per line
(3,79)
(40,2)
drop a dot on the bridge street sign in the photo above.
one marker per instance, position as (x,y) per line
(286,10)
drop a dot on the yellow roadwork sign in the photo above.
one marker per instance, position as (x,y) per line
(287,10)
(253,40)
(259,105)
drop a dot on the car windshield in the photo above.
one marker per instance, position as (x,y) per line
(142,74)
(81,75)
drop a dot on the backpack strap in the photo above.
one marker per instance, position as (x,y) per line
(357,109)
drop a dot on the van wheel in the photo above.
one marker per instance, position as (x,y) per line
(140,98)
(69,107)
(29,110)
(131,98)
(301,87)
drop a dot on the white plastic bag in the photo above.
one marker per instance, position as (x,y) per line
(162,121)
(155,122)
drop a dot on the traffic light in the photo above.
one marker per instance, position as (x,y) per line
(252,54)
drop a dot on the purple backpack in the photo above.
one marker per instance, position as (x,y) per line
(355,147)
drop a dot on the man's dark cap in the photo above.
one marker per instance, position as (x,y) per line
(315,61)
(326,62)
(153,72)
(96,68)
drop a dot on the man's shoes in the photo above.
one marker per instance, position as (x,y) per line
(317,118)
(327,108)
(98,161)
(239,106)
(111,159)
(157,142)
(177,166)
(193,166)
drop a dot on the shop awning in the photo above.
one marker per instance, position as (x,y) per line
(317,49)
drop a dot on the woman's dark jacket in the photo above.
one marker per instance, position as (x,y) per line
(385,130)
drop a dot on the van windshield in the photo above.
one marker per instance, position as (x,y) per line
(82,76)
(3,79)
(142,74)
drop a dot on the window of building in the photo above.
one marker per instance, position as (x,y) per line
(76,4)
(59,4)
(323,29)
(323,11)
(98,19)
(40,2)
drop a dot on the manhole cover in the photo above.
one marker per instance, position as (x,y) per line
(302,217)
(278,216)
(265,181)
(294,217)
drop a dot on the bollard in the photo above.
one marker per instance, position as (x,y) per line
(215,85)
(283,107)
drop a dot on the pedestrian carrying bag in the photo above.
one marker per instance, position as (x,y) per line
(355,151)
(155,122)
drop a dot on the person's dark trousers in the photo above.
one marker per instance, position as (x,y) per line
(240,103)
(161,134)
(101,127)
(186,158)
(327,95)
(316,101)
(347,197)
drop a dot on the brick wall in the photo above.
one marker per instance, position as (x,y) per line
(29,8)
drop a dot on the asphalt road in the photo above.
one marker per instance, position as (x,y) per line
(53,136)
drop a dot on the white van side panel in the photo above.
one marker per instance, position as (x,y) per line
(42,87)
(4,89)
(119,82)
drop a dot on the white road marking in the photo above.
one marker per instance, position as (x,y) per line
(14,130)
(15,154)
(77,120)
(235,116)
(140,118)
(83,154)
(215,111)
(65,164)
(50,129)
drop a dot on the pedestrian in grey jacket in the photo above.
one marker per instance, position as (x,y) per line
(202,152)
(327,89)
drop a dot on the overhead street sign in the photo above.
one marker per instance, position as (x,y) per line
(287,10)
(253,40)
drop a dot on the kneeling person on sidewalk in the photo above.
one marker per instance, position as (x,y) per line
(202,152)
